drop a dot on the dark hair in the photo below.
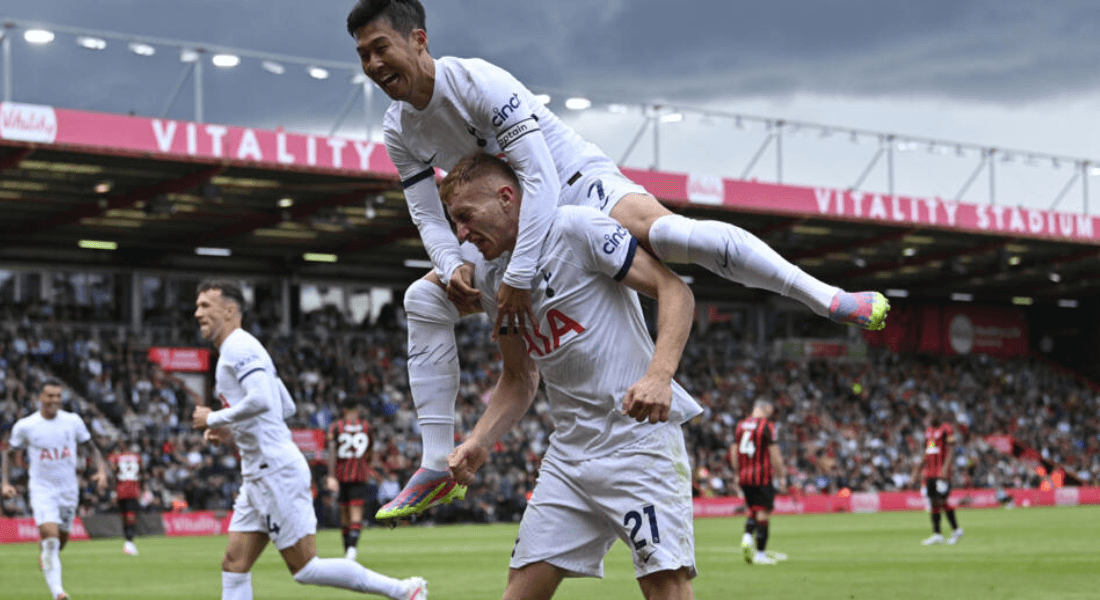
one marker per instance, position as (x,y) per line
(231,290)
(473,167)
(403,15)
(48,382)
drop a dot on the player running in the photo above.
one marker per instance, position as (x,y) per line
(755,455)
(274,502)
(350,452)
(616,466)
(935,464)
(49,440)
(128,472)
(444,109)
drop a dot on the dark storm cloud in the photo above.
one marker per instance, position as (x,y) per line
(1006,51)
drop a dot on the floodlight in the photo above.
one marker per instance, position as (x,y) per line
(38,36)
(317,73)
(578,103)
(273,67)
(225,60)
(142,49)
(91,43)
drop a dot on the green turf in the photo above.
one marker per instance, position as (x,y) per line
(1048,553)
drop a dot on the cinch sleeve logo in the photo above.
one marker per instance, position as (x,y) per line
(501,113)
(247,363)
(613,240)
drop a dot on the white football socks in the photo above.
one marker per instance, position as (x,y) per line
(350,575)
(433,368)
(735,254)
(51,565)
(236,586)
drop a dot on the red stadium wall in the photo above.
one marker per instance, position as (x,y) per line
(209,523)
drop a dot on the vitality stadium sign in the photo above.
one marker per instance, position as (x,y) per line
(142,136)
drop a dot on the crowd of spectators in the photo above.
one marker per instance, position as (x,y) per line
(854,424)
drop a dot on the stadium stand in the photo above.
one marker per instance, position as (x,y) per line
(851,425)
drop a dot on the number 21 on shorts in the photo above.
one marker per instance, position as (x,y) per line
(633,519)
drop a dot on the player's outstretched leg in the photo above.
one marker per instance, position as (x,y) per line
(735,254)
(349,575)
(433,380)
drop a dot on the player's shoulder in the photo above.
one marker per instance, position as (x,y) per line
(579,221)
(468,68)
(26,422)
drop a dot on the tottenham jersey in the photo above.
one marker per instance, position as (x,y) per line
(478,106)
(50,446)
(264,440)
(591,342)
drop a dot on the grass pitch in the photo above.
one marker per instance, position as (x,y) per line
(1048,553)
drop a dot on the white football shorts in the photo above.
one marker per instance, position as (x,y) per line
(50,505)
(599,188)
(640,494)
(279,504)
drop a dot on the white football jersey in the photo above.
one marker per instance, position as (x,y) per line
(264,440)
(478,106)
(50,446)
(591,343)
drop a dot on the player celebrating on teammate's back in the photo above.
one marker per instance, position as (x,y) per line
(49,439)
(616,466)
(350,452)
(935,465)
(755,455)
(274,502)
(127,465)
(444,109)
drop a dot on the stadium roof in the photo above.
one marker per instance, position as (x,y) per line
(161,189)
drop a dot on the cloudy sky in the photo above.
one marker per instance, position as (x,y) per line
(1006,73)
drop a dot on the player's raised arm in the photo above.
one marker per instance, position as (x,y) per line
(650,398)
(425,208)
(511,397)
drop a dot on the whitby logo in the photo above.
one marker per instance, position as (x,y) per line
(501,114)
(613,240)
(28,122)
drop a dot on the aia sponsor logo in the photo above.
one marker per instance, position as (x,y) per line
(28,122)
(55,454)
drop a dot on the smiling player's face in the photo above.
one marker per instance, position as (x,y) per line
(393,61)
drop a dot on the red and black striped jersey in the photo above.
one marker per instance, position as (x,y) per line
(936,440)
(754,436)
(353,442)
(127,474)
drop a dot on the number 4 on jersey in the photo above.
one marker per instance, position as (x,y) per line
(746,446)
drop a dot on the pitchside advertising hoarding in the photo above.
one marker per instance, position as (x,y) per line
(142,136)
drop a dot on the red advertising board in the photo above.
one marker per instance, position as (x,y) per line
(24,530)
(311,442)
(37,124)
(195,360)
(984,330)
(203,522)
